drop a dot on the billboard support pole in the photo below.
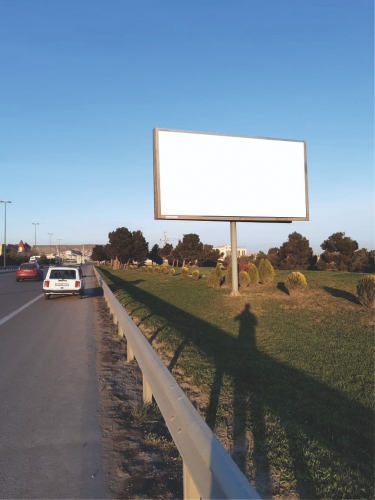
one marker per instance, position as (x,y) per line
(233,243)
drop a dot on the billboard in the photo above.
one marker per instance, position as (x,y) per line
(206,176)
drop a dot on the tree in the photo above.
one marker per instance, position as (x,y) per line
(259,256)
(140,247)
(295,253)
(209,256)
(121,244)
(175,255)
(166,251)
(154,255)
(338,252)
(100,253)
(189,249)
(362,261)
(244,263)
(273,257)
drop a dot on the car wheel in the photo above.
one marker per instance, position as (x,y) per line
(47,296)
(17,279)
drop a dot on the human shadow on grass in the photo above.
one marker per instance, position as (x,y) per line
(310,412)
(343,294)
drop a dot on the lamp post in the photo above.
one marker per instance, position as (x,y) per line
(35,224)
(5,228)
(59,239)
(50,248)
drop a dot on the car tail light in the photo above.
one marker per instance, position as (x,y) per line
(78,283)
(46,284)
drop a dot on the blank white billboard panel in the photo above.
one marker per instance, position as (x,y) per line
(223,177)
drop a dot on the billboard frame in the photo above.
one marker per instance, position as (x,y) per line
(157,184)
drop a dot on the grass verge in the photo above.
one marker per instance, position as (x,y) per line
(287,381)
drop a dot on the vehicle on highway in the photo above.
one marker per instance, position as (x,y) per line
(29,271)
(64,280)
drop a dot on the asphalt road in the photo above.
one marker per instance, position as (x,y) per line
(50,438)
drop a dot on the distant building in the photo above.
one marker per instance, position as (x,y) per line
(9,248)
(226,250)
(72,256)
(23,248)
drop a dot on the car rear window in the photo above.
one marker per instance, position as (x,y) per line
(67,274)
(27,266)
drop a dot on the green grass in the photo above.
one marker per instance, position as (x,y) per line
(292,375)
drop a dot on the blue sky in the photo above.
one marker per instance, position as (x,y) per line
(84,82)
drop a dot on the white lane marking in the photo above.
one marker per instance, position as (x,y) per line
(2,321)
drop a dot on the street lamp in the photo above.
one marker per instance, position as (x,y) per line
(50,249)
(5,228)
(35,224)
(59,239)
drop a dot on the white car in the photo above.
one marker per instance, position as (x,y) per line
(64,280)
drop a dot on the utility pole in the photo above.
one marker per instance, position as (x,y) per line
(35,224)
(59,239)
(5,228)
(50,248)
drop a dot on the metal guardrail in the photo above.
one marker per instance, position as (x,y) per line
(8,268)
(208,470)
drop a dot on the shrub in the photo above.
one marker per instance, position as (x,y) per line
(254,275)
(195,274)
(266,271)
(149,269)
(218,272)
(295,282)
(156,269)
(366,290)
(215,277)
(165,270)
(244,279)
(172,271)
(228,277)
(184,271)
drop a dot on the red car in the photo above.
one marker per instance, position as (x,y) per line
(29,271)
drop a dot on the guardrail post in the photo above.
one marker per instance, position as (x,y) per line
(190,490)
(129,352)
(120,331)
(147,392)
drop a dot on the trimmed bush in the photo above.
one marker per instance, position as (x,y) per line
(215,277)
(165,270)
(195,274)
(171,271)
(149,269)
(366,290)
(254,275)
(244,279)
(295,282)
(184,271)
(266,271)
(156,269)
(228,277)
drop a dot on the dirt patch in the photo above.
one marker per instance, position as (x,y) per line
(140,459)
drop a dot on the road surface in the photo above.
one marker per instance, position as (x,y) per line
(50,438)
